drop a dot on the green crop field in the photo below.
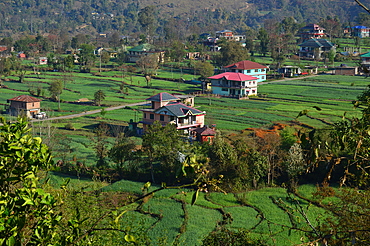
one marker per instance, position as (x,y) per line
(281,102)
(169,210)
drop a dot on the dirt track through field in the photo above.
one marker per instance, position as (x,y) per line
(90,112)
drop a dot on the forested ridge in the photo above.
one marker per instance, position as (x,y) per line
(92,16)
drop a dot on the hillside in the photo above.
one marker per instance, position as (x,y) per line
(92,16)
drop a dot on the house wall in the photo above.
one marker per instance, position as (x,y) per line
(346,71)
(258,73)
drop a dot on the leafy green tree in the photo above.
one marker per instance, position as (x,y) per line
(86,57)
(162,144)
(100,141)
(204,69)
(69,62)
(147,19)
(232,52)
(264,41)
(27,212)
(55,90)
(223,159)
(122,151)
(177,51)
(99,96)
(226,237)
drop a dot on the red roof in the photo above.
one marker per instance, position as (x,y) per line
(245,65)
(204,131)
(25,98)
(233,76)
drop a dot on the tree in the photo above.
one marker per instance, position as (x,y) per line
(101,144)
(162,144)
(223,159)
(55,90)
(86,57)
(148,65)
(147,19)
(226,237)
(27,212)
(99,96)
(204,69)
(232,52)
(264,41)
(122,151)
(177,51)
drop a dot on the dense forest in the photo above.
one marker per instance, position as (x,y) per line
(94,16)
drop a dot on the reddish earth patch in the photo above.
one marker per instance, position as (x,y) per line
(262,133)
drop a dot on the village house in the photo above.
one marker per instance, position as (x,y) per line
(139,51)
(343,69)
(314,48)
(365,60)
(290,71)
(248,68)
(204,134)
(360,31)
(169,109)
(311,31)
(24,105)
(232,84)
(42,60)
(229,35)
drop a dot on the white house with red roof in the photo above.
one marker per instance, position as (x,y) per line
(168,109)
(234,84)
(248,68)
(24,105)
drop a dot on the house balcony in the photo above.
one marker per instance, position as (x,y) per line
(236,86)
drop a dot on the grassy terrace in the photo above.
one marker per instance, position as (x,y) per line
(170,209)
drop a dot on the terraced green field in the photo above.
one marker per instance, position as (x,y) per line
(168,218)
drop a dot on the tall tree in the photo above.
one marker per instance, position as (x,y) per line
(55,90)
(99,96)
(148,65)
(147,19)
(162,144)
(232,52)
(264,41)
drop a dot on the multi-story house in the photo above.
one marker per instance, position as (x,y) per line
(253,69)
(311,31)
(233,84)
(168,109)
(24,105)
(229,35)
(314,48)
(360,31)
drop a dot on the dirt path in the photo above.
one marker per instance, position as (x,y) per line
(90,112)
(287,79)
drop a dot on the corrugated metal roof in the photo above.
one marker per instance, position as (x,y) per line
(25,98)
(180,109)
(246,65)
(233,76)
(162,97)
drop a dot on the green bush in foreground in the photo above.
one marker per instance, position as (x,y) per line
(225,237)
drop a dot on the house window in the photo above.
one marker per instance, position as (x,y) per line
(144,115)
(172,118)
(152,116)
(248,71)
(224,89)
(263,70)
(161,118)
